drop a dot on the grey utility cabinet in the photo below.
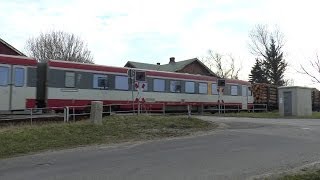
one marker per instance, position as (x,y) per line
(294,101)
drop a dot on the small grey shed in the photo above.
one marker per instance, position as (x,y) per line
(294,101)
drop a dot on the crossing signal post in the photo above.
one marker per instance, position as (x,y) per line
(138,82)
(131,75)
(220,89)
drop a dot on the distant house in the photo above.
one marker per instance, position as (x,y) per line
(191,66)
(6,48)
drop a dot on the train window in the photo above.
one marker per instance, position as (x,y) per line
(4,76)
(190,87)
(203,88)
(100,81)
(159,85)
(69,79)
(234,90)
(122,83)
(18,77)
(175,86)
(214,88)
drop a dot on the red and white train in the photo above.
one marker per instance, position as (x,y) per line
(25,83)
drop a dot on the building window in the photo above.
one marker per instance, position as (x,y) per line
(175,86)
(203,88)
(214,89)
(4,76)
(69,79)
(100,81)
(159,85)
(18,77)
(122,83)
(190,87)
(234,90)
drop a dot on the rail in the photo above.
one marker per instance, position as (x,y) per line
(75,111)
(135,108)
(70,113)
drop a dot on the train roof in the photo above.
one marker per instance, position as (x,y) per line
(17,60)
(104,68)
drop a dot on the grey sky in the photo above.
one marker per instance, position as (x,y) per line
(152,31)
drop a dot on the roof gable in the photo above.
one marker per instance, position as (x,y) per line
(11,47)
(171,67)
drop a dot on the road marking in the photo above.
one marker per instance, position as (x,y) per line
(306,128)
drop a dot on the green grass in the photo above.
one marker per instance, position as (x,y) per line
(115,129)
(309,175)
(315,115)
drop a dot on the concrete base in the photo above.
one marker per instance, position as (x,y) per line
(96,112)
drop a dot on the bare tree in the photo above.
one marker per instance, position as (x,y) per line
(261,38)
(314,71)
(58,45)
(222,66)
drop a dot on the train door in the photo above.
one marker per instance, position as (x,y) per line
(244,97)
(5,89)
(19,88)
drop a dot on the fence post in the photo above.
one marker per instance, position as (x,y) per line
(266,107)
(253,108)
(202,107)
(189,111)
(110,109)
(66,114)
(96,112)
(74,115)
(164,108)
(31,115)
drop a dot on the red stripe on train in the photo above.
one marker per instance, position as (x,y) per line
(93,67)
(71,102)
(17,60)
(90,67)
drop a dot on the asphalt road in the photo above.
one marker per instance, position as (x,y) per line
(247,147)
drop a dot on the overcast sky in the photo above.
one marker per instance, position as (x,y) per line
(151,31)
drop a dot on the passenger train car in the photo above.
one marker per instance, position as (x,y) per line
(61,83)
(17,82)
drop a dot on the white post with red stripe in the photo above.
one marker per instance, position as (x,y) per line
(140,86)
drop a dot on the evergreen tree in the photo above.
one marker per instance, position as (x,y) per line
(274,64)
(258,74)
(268,47)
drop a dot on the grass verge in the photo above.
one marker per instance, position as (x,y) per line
(315,115)
(115,129)
(309,175)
